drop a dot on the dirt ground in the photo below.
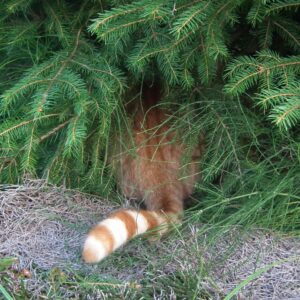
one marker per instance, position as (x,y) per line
(44,227)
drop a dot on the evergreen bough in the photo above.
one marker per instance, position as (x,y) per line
(230,70)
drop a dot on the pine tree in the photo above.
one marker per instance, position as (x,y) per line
(230,70)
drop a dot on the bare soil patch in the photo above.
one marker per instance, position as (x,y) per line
(44,227)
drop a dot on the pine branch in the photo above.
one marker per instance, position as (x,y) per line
(114,13)
(13,6)
(53,131)
(257,13)
(7,131)
(286,115)
(63,86)
(190,20)
(245,72)
(289,32)
(283,5)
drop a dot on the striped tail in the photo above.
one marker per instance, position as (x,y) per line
(120,227)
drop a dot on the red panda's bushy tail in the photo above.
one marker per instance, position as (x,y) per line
(120,227)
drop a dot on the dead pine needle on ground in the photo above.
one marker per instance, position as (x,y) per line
(42,229)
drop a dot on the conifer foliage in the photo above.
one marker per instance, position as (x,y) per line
(229,69)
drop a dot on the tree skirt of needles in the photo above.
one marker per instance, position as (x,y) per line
(44,228)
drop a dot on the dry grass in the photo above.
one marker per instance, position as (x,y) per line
(44,226)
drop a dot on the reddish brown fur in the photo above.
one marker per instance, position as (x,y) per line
(153,173)
(128,221)
(100,233)
(150,172)
(89,255)
(152,221)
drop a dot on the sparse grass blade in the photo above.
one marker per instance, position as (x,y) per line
(255,275)
(5,294)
